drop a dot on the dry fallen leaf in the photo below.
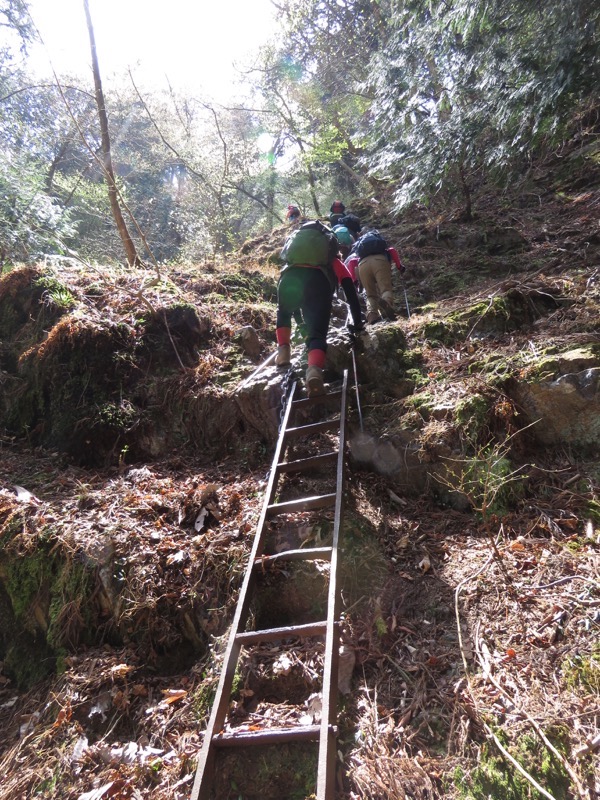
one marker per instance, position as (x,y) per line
(108,790)
(120,670)
(425,563)
(64,715)
(24,496)
(173,695)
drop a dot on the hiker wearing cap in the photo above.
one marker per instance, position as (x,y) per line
(292,214)
(312,271)
(336,212)
(370,260)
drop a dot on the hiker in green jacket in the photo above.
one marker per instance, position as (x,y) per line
(311,273)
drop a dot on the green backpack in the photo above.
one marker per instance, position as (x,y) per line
(313,245)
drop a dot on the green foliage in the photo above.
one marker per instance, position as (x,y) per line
(55,293)
(431,96)
(484,84)
(30,220)
(583,672)
(487,478)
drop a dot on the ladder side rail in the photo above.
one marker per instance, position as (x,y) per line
(327,739)
(204,771)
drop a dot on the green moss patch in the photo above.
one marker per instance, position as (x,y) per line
(276,772)
(47,608)
(496,777)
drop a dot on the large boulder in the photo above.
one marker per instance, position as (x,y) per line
(562,399)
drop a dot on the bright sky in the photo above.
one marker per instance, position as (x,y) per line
(195,43)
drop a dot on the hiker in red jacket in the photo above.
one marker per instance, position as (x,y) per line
(370,261)
(336,212)
(292,214)
(310,287)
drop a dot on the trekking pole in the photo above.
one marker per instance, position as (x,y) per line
(353,349)
(406,299)
(360,416)
(264,364)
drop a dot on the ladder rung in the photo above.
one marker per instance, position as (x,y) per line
(321,398)
(315,427)
(314,462)
(305,504)
(272,634)
(306,733)
(301,554)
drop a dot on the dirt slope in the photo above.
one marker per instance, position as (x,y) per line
(471,592)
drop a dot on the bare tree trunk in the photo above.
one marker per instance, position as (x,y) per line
(48,183)
(312,185)
(113,195)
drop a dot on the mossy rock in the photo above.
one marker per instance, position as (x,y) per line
(559,397)
(242,286)
(45,607)
(31,301)
(72,395)
(381,356)
(510,311)
(553,364)
(170,336)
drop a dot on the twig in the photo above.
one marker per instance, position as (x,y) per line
(566,579)
(556,753)
(516,764)
(457,611)
(491,679)
(589,747)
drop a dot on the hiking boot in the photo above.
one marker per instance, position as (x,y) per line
(387,308)
(314,382)
(372,317)
(282,359)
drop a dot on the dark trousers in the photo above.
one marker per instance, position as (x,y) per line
(308,289)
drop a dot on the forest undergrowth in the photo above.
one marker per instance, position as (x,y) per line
(475,628)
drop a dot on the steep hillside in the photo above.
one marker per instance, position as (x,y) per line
(137,432)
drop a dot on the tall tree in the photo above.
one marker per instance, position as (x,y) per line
(312,80)
(113,193)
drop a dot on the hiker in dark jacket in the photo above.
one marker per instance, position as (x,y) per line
(310,288)
(375,274)
(352,222)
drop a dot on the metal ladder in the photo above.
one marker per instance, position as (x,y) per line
(325,733)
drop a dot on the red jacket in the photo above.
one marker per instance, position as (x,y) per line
(341,270)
